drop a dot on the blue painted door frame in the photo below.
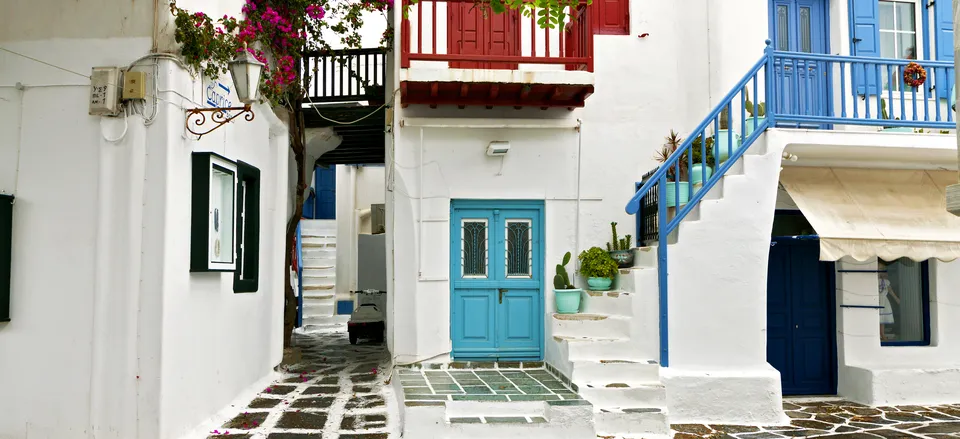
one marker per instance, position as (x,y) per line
(496,301)
(801,317)
(322,203)
(802,26)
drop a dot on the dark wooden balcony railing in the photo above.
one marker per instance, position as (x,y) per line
(345,75)
(455,31)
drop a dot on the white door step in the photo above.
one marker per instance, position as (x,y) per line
(319,295)
(606,371)
(619,422)
(617,303)
(317,287)
(467,409)
(600,348)
(309,281)
(625,394)
(319,263)
(591,325)
(312,245)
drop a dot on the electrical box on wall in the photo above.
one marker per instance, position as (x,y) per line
(104,91)
(134,85)
(498,148)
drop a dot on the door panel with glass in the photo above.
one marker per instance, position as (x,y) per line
(800,26)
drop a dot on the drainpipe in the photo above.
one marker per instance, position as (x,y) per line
(576,232)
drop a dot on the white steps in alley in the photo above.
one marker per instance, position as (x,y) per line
(319,247)
(602,359)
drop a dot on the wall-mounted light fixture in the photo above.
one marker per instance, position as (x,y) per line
(246,71)
(498,148)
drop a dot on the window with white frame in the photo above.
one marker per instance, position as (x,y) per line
(898,34)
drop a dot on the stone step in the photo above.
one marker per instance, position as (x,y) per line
(501,420)
(322,263)
(315,245)
(310,253)
(606,371)
(590,325)
(307,288)
(312,281)
(597,348)
(629,394)
(318,309)
(319,270)
(319,295)
(614,303)
(648,423)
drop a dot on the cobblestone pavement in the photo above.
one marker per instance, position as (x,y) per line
(841,419)
(336,392)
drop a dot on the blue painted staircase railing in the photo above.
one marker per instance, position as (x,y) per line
(299,250)
(798,90)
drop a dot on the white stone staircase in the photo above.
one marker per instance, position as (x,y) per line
(601,357)
(319,270)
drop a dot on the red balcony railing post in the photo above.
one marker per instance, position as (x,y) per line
(405,37)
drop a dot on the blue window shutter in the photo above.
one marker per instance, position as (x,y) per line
(866,42)
(943,17)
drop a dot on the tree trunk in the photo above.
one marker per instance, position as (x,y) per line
(297,141)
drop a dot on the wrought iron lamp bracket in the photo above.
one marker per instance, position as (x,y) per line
(219,117)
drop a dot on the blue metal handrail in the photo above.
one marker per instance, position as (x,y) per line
(299,275)
(798,89)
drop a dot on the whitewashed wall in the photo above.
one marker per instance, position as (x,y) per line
(105,312)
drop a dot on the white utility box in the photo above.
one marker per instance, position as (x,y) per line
(105,91)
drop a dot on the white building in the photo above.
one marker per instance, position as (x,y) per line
(770,284)
(115,328)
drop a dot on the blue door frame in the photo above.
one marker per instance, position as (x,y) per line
(801,316)
(496,313)
(322,202)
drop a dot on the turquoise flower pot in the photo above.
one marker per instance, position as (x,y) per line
(599,283)
(672,193)
(723,150)
(567,301)
(696,173)
(751,126)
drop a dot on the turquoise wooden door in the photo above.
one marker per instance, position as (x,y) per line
(496,271)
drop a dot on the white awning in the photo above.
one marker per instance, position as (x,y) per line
(885,213)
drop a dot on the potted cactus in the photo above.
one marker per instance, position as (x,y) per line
(702,159)
(620,250)
(598,267)
(673,144)
(724,148)
(759,110)
(565,295)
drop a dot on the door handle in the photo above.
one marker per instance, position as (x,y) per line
(502,290)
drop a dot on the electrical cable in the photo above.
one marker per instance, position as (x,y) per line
(122,135)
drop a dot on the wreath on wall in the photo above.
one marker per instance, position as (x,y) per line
(914,75)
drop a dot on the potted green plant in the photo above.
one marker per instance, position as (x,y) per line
(565,295)
(673,143)
(724,135)
(759,110)
(886,116)
(598,267)
(620,250)
(702,159)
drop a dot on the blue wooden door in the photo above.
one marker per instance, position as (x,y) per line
(326,189)
(496,275)
(801,85)
(801,339)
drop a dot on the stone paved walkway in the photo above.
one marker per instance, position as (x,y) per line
(336,392)
(841,419)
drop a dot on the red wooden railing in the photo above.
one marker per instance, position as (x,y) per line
(521,40)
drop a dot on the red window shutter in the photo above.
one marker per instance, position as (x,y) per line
(611,17)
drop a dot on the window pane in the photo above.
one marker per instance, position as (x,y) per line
(221,201)
(906,18)
(519,249)
(474,245)
(805,43)
(902,301)
(907,45)
(888,48)
(886,15)
(783,41)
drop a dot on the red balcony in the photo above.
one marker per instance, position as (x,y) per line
(453,53)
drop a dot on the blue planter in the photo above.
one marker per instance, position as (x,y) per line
(599,283)
(723,150)
(696,173)
(567,301)
(751,127)
(672,193)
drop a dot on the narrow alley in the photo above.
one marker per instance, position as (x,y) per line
(336,392)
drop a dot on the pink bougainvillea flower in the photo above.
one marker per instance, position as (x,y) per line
(215,432)
(316,12)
